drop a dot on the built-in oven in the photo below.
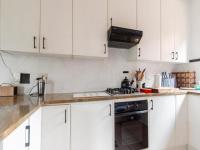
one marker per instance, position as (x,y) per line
(131,125)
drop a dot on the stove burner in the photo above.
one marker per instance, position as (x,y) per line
(120,91)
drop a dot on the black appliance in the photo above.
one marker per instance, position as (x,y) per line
(120,91)
(123,38)
(126,84)
(131,125)
(41,86)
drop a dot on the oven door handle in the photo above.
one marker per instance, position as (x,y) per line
(131,113)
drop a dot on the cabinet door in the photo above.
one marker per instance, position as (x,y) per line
(35,130)
(17,139)
(162,123)
(181,122)
(90,28)
(92,126)
(194,122)
(148,16)
(56,127)
(56,27)
(123,13)
(20,22)
(167,30)
(181,29)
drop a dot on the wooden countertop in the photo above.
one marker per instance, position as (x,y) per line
(15,110)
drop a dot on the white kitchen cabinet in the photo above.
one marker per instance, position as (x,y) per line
(162,123)
(17,139)
(56,127)
(90,28)
(56,27)
(167,31)
(25,137)
(35,130)
(92,126)
(194,122)
(181,122)
(20,23)
(148,20)
(123,13)
(174,30)
(181,29)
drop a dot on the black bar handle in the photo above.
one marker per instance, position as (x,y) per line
(172,55)
(139,52)
(65,116)
(34,42)
(27,143)
(110,114)
(176,55)
(105,48)
(152,104)
(43,43)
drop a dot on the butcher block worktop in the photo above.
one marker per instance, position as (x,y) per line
(15,110)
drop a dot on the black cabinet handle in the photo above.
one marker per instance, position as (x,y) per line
(43,43)
(111,21)
(176,55)
(110,106)
(105,48)
(34,42)
(27,143)
(172,55)
(139,52)
(152,105)
(65,116)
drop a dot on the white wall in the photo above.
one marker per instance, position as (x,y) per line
(194,43)
(75,75)
(194,49)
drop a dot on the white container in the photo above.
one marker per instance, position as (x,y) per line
(157,81)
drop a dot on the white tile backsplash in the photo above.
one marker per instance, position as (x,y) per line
(78,75)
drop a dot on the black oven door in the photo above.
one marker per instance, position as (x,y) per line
(131,131)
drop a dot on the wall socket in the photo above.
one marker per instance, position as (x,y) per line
(24,78)
(32,79)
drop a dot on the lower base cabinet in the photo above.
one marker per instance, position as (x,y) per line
(17,139)
(56,127)
(168,123)
(194,122)
(181,140)
(162,123)
(26,137)
(92,126)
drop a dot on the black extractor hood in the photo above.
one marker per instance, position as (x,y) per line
(123,38)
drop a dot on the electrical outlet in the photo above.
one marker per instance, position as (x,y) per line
(25,78)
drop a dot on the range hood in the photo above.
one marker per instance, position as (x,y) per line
(123,38)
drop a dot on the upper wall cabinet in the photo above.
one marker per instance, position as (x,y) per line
(167,31)
(90,28)
(123,13)
(56,27)
(20,23)
(181,29)
(174,30)
(148,20)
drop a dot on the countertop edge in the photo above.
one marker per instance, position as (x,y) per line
(11,128)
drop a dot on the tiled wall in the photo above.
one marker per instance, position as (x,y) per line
(75,75)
